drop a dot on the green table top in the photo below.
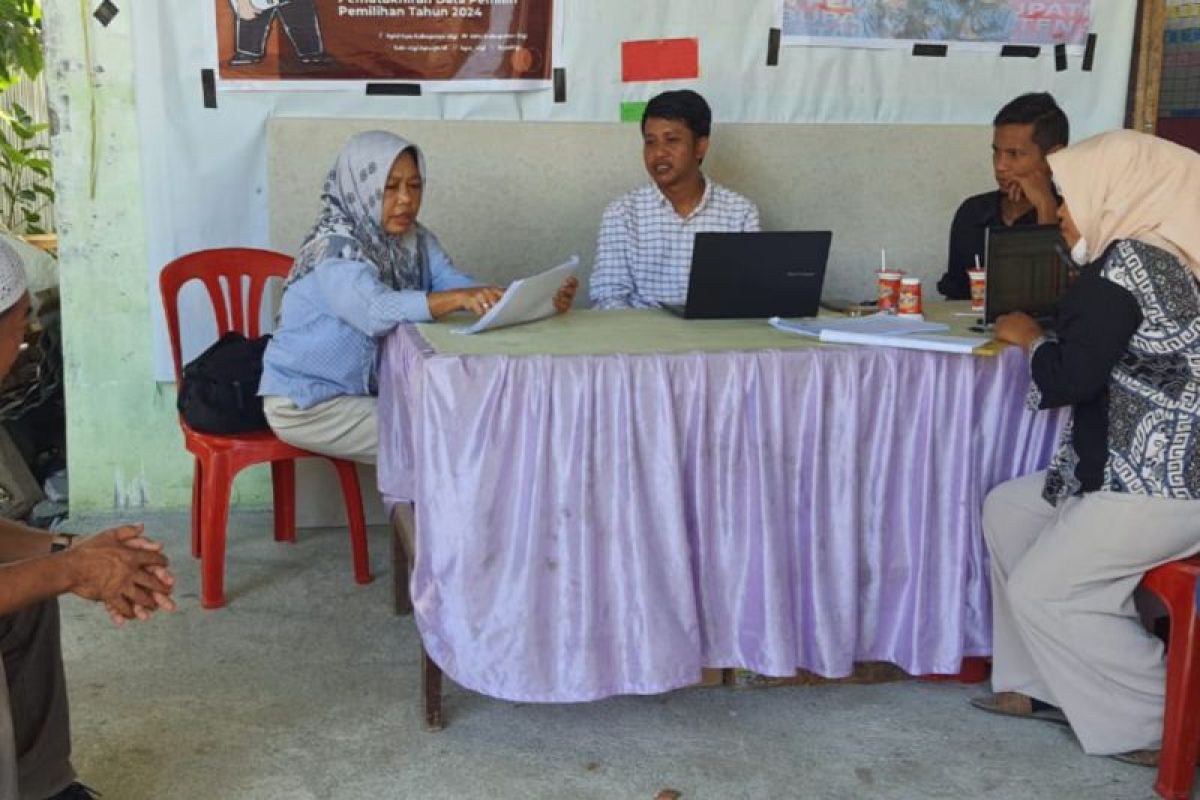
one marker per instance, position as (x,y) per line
(642,332)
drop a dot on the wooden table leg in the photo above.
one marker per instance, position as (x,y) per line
(431,679)
(403,552)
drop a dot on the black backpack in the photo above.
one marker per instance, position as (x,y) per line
(219,389)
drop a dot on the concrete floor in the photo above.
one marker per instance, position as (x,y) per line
(306,686)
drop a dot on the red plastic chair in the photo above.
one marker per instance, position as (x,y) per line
(1175,584)
(219,458)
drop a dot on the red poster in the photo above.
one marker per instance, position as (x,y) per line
(416,40)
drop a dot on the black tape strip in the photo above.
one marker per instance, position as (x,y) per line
(1020,51)
(395,89)
(936,50)
(560,85)
(1089,52)
(105,12)
(1060,57)
(774,36)
(208,83)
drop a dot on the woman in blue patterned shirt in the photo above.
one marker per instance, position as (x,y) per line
(367,266)
(1069,546)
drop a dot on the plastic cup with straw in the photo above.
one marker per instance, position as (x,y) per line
(888,282)
(978,278)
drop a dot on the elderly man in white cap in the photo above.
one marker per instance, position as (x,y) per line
(119,567)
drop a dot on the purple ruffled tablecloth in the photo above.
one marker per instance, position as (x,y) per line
(593,525)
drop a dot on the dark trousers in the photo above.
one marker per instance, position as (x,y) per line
(300,23)
(35,730)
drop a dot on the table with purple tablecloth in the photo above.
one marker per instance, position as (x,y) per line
(607,502)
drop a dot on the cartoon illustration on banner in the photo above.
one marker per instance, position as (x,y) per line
(898,23)
(476,41)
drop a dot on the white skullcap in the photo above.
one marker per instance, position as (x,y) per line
(12,277)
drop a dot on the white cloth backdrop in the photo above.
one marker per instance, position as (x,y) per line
(205,170)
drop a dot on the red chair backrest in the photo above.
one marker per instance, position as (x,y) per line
(223,272)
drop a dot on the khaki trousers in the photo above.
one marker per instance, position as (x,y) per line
(1065,629)
(35,731)
(344,427)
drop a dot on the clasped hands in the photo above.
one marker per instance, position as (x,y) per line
(123,569)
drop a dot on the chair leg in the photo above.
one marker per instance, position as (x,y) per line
(197,505)
(1181,715)
(352,495)
(283,493)
(431,680)
(214,519)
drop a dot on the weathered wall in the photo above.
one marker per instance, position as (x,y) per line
(124,446)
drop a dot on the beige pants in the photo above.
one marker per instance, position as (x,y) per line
(344,427)
(1065,629)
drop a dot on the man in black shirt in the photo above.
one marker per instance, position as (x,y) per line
(1025,131)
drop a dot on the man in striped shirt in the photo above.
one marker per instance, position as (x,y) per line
(644,253)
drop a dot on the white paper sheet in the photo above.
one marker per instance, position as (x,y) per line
(526,300)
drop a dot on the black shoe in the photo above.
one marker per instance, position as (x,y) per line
(76,791)
(244,60)
(316,60)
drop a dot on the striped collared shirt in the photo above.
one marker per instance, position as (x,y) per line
(644,253)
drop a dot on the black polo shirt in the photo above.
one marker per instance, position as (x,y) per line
(967,236)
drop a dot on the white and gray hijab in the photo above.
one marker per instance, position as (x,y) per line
(349,225)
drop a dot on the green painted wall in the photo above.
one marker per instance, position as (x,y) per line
(124,446)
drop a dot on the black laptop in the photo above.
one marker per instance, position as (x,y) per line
(747,275)
(1028,269)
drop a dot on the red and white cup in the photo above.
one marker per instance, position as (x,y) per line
(889,289)
(978,288)
(909,303)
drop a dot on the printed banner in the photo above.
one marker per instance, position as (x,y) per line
(899,23)
(498,44)
(1180,93)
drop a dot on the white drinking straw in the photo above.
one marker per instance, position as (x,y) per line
(977,261)
(883,259)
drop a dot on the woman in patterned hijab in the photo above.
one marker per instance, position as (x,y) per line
(1122,495)
(350,225)
(366,267)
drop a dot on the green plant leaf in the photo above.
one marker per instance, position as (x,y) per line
(20,40)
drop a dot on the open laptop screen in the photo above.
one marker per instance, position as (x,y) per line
(760,274)
(1028,269)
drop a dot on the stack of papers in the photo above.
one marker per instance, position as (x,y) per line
(874,324)
(884,330)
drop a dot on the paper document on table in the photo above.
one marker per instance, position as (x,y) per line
(873,324)
(919,341)
(526,300)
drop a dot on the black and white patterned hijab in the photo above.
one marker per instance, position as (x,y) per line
(350,223)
